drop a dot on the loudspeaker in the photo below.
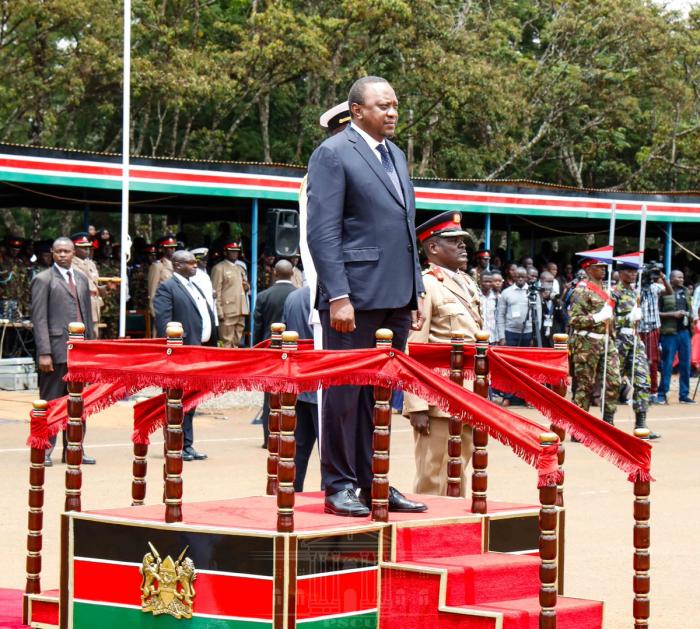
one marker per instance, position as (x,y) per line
(282,234)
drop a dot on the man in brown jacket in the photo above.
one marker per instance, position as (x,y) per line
(230,284)
(451,304)
(162,269)
(84,263)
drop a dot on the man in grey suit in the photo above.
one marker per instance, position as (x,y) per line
(60,295)
(360,231)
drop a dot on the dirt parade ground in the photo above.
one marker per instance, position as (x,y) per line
(598,497)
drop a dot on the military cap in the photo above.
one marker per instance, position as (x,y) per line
(149,248)
(81,239)
(445,224)
(200,252)
(588,262)
(234,245)
(42,246)
(335,116)
(483,253)
(14,241)
(627,266)
(166,241)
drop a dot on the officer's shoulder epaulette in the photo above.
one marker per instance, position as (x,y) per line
(436,273)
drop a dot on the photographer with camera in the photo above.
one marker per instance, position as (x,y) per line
(553,319)
(634,366)
(676,325)
(517,315)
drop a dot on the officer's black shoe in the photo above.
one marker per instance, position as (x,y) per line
(609,418)
(88,460)
(398,503)
(48,462)
(345,503)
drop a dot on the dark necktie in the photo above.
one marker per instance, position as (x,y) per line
(390,170)
(74,292)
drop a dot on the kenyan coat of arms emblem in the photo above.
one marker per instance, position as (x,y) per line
(167,585)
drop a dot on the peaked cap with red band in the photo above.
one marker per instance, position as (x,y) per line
(14,242)
(167,241)
(81,239)
(445,225)
(232,246)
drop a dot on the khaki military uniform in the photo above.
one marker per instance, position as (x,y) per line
(88,268)
(158,272)
(231,301)
(450,304)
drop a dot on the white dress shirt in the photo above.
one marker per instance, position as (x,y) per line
(201,305)
(203,281)
(371,142)
(64,272)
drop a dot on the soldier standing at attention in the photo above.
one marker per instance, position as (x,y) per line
(230,284)
(630,347)
(590,322)
(83,263)
(161,269)
(451,304)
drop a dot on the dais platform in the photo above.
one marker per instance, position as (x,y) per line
(447,567)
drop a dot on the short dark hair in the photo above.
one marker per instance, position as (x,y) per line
(357,91)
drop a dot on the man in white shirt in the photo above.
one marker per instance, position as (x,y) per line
(179,299)
(202,280)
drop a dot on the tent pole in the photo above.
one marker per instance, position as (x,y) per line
(126,125)
(487,232)
(668,249)
(253,260)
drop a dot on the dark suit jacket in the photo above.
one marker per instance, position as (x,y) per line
(172,302)
(54,307)
(268,309)
(361,236)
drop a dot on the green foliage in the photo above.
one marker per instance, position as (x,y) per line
(589,93)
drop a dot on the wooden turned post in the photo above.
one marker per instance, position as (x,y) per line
(381,439)
(480,457)
(173,436)
(548,547)
(561,343)
(273,423)
(139,468)
(454,442)
(36,513)
(286,469)
(642,540)
(74,430)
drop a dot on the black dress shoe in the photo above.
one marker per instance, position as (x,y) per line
(345,503)
(398,503)
(88,460)
(190,454)
(48,462)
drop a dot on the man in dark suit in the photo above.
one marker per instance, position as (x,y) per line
(179,299)
(297,310)
(60,296)
(268,310)
(360,230)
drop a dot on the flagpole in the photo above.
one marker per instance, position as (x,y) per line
(638,289)
(126,125)
(611,243)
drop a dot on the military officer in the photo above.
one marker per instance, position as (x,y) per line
(590,322)
(230,284)
(14,281)
(451,303)
(630,347)
(161,269)
(83,263)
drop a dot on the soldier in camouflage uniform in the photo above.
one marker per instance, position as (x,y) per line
(590,321)
(14,282)
(629,345)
